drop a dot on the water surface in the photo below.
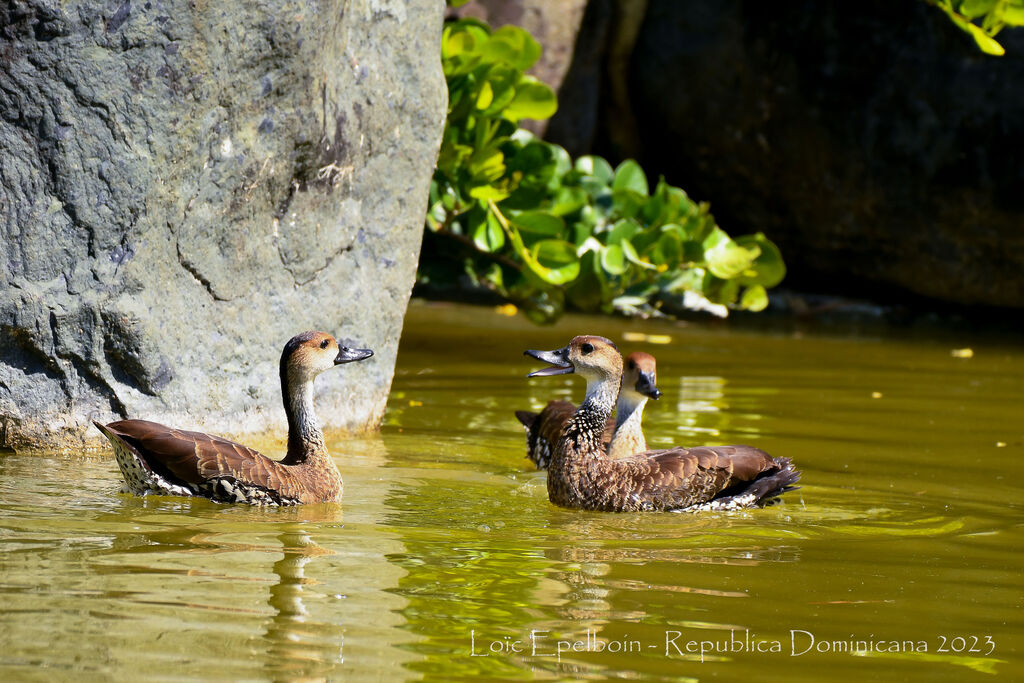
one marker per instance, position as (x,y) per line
(447,562)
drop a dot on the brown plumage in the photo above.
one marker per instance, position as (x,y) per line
(581,475)
(623,434)
(544,429)
(154,458)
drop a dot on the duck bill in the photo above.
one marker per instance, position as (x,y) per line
(347,355)
(559,361)
(645,385)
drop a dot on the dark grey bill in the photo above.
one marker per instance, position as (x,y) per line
(645,385)
(559,361)
(347,355)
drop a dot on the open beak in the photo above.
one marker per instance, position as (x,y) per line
(645,385)
(347,355)
(559,361)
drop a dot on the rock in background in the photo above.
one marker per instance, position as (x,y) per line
(186,185)
(872,141)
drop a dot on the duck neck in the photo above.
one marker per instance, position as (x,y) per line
(629,433)
(584,432)
(629,410)
(305,439)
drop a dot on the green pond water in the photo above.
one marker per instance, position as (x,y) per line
(447,562)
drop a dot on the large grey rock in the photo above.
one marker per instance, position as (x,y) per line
(184,186)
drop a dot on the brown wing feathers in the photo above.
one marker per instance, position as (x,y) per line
(678,478)
(686,476)
(194,457)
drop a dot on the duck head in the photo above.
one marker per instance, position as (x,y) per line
(308,354)
(640,376)
(595,358)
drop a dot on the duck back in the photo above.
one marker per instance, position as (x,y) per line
(154,458)
(674,479)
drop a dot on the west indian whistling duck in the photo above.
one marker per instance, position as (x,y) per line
(623,434)
(163,460)
(581,475)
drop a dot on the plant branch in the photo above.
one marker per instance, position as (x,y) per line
(463,239)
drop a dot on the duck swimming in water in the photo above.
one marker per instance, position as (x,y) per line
(623,434)
(163,460)
(581,475)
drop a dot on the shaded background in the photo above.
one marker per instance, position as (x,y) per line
(873,141)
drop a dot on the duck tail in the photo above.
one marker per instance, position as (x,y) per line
(776,481)
(527,418)
(775,484)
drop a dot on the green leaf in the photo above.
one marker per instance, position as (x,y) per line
(667,251)
(622,230)
(486,166)
(538,223)
(563,162)
(613,259)
(488,235)
(972,9)
(486,96)
(457,43)
(1014,15)
(716,237)
(987,44)
(594,187)
(754,299)
(533,100)
(633,257)
(567,200)
(629,176)
(768,269)
(589,244)
(627,203)
(513,46)
(555,261)
(725,258)
(502,81)
(720,291)
(597,167)
(436,216)
(485,192)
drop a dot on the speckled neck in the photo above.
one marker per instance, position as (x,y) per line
(584,432)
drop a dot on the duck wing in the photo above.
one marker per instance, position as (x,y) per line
(195,457)
(684,477)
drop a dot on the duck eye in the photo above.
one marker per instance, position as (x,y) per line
(586,348)
(632,365)
(325,343)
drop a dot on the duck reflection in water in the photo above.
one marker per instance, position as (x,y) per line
(299,647)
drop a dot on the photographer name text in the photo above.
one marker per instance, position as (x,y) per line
(799,643)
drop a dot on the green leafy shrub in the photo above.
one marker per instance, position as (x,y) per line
(516,215)
(994,15)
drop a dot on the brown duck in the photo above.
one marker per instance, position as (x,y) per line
(623,434)
(581,475)
(163,460)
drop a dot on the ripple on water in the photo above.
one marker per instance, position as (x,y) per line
(902,528)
